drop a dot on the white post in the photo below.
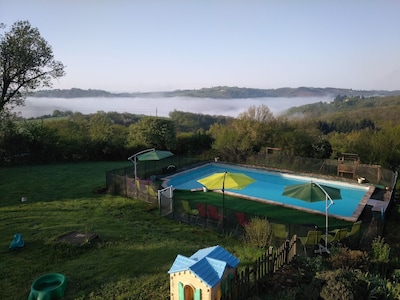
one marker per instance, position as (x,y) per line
(326,213)
(135,169)
(134,156)
(326,221)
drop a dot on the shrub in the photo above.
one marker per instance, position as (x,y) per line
(380,250)
(258,233)
(342,284)
(380,288)
(380,255)
(345,258)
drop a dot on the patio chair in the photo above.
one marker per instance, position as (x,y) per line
(312,239)
(189,211)
(339,235)
(151,192)
(202,210)
(214,215)
(241,219)
(355,229)
(279,231)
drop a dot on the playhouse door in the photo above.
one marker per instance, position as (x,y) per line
(189,293)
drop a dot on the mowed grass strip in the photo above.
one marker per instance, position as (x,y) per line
(129,260)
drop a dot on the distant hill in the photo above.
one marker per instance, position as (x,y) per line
(378,109)
(220,92)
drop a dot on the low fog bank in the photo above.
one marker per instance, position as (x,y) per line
(36,107)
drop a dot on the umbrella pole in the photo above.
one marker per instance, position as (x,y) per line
(326,221)
(326,216)
(223,210)
(223,203)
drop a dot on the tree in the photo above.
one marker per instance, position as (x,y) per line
(226,142)
(27,63)
(245,135)
(153,132)
(193,143)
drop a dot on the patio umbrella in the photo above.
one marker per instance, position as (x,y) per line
(226,180)
(154,155)
(149,154)
(313,192)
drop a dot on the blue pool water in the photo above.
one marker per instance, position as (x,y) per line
(269,187)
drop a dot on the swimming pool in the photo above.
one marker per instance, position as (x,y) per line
(269,186)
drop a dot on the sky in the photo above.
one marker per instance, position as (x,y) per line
(165,45)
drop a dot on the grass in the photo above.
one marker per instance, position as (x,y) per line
(272,212)
(131,258)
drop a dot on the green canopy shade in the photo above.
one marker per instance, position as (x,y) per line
(311,192)
(154,155)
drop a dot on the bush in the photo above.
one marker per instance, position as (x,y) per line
(345,258)
(258,233)
(342,284)
(380,288)
(380,256)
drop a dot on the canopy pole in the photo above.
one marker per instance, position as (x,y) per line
(134,156)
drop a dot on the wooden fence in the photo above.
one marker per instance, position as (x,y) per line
(250,281)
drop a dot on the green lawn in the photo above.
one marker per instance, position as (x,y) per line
(255,208)
(135,249)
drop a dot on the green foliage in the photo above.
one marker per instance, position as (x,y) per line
(27,62)
(246,135)
(153,132)
(396,275)
(374,110)
(380,288)
(380,256)
(344,125)
(72,93)
(296,281)
(258,233)
(380,250)
(193,143)
(342,284)
(191,122)
(322,149)
(345,258)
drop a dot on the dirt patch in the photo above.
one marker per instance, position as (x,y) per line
(78,238)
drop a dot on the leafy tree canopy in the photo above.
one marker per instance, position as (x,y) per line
(26,63)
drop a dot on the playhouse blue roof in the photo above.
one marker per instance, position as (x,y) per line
(208,264)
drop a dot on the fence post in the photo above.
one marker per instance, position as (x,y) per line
(256,271)
(287,249)
(271,260)
(247,280)
(126,183)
